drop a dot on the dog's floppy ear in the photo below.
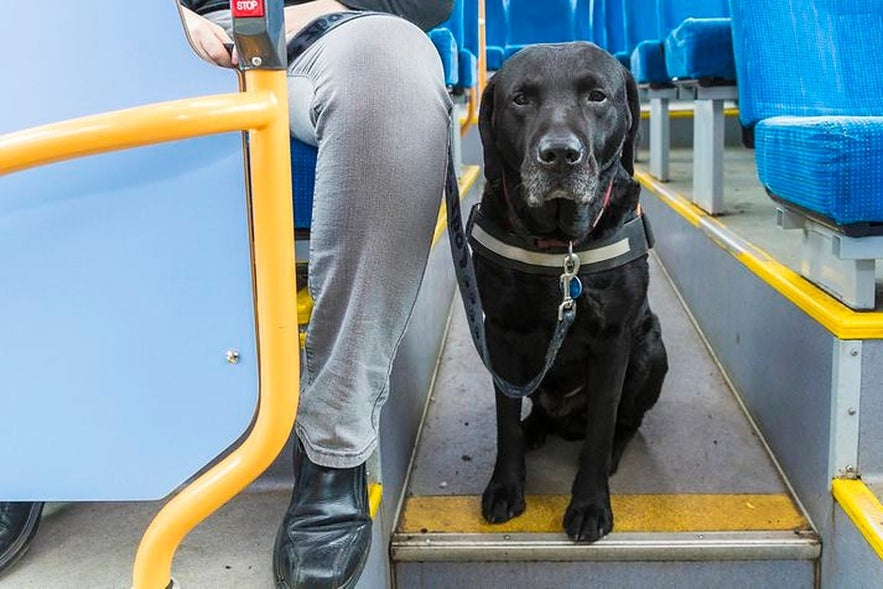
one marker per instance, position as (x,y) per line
(630,147)
(493,170)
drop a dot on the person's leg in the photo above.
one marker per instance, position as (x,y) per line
(370,94)
(18,524)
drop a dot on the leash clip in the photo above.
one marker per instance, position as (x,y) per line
(569,282)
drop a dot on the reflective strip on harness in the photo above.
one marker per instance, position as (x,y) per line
(533,258)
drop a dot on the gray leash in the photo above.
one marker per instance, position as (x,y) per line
(465,272)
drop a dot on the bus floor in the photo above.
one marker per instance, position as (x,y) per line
(697,473)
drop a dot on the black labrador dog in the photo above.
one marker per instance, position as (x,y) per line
(558,125)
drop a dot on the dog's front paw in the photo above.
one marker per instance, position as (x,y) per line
(501,501)
(588,521)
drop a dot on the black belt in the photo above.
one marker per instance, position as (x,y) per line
(318,27)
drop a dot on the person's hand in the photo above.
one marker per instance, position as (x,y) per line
(208,39)
(299,15)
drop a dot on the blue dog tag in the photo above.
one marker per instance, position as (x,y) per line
(576,287)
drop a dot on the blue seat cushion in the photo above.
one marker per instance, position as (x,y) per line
(624,58)
(303,182)
(495,56)
(446,45)
(830,165)
(648,63)
(468,76)
(701,48)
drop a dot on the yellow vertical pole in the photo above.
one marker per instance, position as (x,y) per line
(273,257)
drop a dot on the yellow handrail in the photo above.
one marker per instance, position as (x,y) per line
(262,109)
(273,232)
(135,127)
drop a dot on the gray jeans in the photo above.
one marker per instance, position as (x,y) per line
(370,94)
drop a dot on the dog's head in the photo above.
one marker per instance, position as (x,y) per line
(558,123)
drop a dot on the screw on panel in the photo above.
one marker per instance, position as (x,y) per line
(851,411)
(232,356)
(853,353)
(256,61)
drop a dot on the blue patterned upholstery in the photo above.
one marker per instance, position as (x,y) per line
(831,165)
(303,182)
(810,82)
(701,48)
(827,61)
(648,63)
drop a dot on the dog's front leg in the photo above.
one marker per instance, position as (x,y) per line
(503,498)
(589,515)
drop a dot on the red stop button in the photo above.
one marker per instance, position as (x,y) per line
(247,8)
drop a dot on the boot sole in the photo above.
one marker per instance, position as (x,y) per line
(280,579)
(21,544)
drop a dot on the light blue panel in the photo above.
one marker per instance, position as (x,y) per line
(756,574)
(124,277)
(119,54)
(118,304)
(849,562)
(790,400)
(870,449)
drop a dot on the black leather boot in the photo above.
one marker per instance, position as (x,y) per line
(18,524)
(324,539)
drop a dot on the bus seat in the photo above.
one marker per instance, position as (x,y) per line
(128,337)
(615,19)
(496,24)
(699,49)
(647,64)
(446,45)
(531,22)
(303,182)
(810,88)
(456,40)
(825,91)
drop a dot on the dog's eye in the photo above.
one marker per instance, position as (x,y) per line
(597,96)
(521,99)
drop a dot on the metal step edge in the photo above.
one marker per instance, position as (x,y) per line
(625,546)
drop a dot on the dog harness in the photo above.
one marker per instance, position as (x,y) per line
(505,248)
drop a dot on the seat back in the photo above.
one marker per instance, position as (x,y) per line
(671,13)
(641,22)
(541,22)
(808,57)
(126,277)
(615,26)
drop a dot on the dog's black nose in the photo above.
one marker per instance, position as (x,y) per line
(559,152)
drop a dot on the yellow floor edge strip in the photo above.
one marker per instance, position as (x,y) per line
(863,508)
(467,179)
(632,513)
(836,317)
